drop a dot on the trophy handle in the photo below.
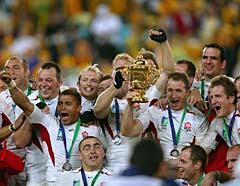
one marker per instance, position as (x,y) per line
(153,75)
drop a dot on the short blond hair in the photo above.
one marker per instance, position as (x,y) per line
(123,56)
(92,68)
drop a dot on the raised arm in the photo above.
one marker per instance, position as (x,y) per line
(17,95)
(104,100)
(164,52)
(130,127)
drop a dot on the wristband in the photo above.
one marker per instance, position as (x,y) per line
(12,128)
(11,84)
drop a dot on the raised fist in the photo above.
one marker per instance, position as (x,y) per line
(118,80)
(158,35)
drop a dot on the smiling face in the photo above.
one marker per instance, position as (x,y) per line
(176,94)
(91,154)
(69,109)
(211,62)
(88,84)
(221,103)
(186,166)
(48,84)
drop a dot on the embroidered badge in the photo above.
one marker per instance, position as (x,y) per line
(59,135)
(187,126)
(164,122)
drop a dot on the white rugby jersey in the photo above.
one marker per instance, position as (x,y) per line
(36,161)
(57,145)
(217,127)
(118,155)
(73,178)
(195,126)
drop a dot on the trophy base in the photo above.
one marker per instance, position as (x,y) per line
(139,100)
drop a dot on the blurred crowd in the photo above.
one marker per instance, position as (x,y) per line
(76,33)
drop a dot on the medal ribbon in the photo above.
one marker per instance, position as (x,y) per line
(202,89)
(230,127)
(200,180)
(76,131)
(175,137)
(41,98)
(29,90)
(85,183)
(117,117)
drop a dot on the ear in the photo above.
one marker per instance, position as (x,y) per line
(60,82)
(198,165)
(79,156)
(231,99)
(188,92)
(27,73)
(223,64)
(80,108)
(78,84)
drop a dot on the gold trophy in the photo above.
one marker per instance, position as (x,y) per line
(141,76)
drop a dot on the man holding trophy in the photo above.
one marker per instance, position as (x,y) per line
(112,102)
(178,126)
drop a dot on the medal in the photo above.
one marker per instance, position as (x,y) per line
(117,140)
(174,153)
(67,166)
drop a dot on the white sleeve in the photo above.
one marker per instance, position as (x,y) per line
(209,141)
(202,129)
(153,93)
(37,116)
(144,118)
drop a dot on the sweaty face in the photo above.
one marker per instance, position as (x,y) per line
(17,71)
(176,94)
(88,85)
(68,109)
(185,165)
(220,102)
(91,154)
(211,62)
(48,84)
(231,159)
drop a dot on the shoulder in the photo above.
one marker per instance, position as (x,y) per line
(194,111)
